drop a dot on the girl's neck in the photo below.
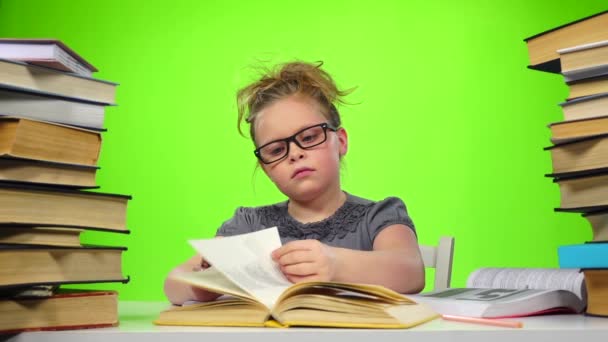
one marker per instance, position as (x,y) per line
(317,209)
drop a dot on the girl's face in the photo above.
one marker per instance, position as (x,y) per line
(303,174)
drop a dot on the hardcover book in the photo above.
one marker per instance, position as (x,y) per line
(257,294)
(511,292)
(28,77)
(50,53)
(67,309)
(31,265)
(25,138)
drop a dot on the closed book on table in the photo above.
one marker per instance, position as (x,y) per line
(597,291)
(31,139)
(30,265)
(67,309)
(587,255)
(48,206)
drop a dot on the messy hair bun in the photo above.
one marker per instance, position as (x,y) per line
(290,79)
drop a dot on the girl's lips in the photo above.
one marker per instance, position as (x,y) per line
(302,172)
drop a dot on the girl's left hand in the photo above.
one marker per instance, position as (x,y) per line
(306,260)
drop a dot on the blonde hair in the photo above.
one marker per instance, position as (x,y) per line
(293,78)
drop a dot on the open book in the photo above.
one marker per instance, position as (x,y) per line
(511,292)
(257,294)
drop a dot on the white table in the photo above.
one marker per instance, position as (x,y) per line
(136,325)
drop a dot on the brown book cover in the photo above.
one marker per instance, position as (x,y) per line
(47,173)
(67,309)
(25,138)
(61,207)
(27,77)
(542,47)
(32,265)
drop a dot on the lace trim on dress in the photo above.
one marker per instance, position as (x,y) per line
(341,223)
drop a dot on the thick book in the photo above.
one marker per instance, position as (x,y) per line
(257,293)
(583,193)
(511,292)
(543,47)
(66,309)
(585,107)
(61,207)
(44,107)
(597,291)
(572,130)
(584,156)
(28,77)
(25,138)
(586,255)
(599,224)
(47,236)
(22,265)
(584,57)
(51,53)
(588,86)
(47,173)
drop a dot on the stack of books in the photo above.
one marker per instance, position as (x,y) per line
(579,52)
(51,120)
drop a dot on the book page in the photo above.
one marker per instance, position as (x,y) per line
(529,278)
(245,260)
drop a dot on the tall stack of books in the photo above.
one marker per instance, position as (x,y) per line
(51,120)
(579,51)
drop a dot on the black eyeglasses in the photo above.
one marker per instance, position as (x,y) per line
(306,138)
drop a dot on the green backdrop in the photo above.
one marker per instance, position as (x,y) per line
(447,115)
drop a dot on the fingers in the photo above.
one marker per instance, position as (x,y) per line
(299,279)
(300,269)
(304,245)
(296,257)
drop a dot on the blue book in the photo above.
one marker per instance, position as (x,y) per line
(587,255)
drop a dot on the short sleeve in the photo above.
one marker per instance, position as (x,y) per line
(385,213)
(245,220)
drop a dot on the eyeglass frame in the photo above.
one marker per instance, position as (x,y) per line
(325,126)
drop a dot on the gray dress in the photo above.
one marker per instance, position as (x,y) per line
(354,225)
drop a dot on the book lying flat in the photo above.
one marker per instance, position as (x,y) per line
(61,207)
(511,292)
(257,293)
(44,107)
(48,173)
(579,157)
(50,53)
(543,47)
(67,309)
(27,77)
(596,280)
(47,236)
(586,255)
(31,264)
(25,138)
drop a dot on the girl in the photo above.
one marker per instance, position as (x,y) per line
(327,234)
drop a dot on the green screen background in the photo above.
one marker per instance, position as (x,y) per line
(446,116)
